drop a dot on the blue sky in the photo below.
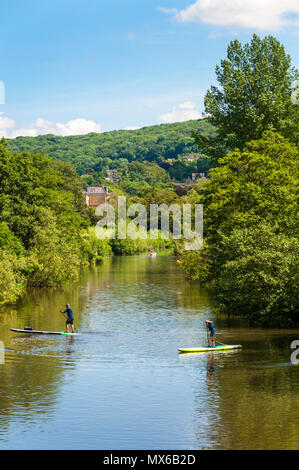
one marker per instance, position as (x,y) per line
(74,66)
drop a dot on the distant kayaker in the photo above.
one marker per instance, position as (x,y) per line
(211,333)
(70,318)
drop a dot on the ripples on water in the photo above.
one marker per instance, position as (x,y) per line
(122,385)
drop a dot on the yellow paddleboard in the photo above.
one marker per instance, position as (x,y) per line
(217,348)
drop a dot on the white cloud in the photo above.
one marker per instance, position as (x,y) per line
(9,129)
(184,112)
(22,131)
(187,105)
(257,14)
(131,128)
(5,124)
(167,10)
(78,126)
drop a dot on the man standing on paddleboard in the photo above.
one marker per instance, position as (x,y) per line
(211,333)
(70,318)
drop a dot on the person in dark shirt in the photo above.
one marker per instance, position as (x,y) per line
(211,333)
(70,318)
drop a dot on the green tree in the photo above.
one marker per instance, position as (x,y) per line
(12,277)
(8,241)
(257,87)
(55,258)
(42,217)
(150,173)
(250,188)
(260,276)
(93,249)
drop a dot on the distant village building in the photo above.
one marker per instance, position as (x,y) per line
(113,176)
(95,195)
(192,157)
(195,175)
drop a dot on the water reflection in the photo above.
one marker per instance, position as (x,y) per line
(210,367)
(127,386)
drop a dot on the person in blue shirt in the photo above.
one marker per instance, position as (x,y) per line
(70,318)
(211,333)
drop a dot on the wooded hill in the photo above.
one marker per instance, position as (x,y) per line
(92,151)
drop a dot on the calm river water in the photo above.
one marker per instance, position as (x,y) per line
(121,384)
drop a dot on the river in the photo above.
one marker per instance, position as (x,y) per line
(121,384)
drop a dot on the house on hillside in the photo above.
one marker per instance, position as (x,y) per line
(192,157)
(113,176)
(194,176)
(95,195)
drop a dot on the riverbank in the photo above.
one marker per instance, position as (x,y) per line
(46,229)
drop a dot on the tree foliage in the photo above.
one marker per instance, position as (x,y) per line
(259,276)
(249,198)
(257,86)
(12,277)
(95,153)
(42,217)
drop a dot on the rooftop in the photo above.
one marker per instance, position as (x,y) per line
(96,189)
